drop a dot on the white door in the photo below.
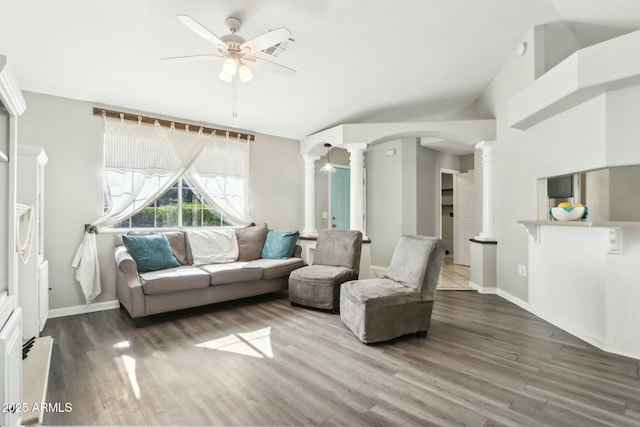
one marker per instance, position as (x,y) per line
(462,216)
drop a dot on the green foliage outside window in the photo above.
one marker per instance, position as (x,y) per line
(163,213)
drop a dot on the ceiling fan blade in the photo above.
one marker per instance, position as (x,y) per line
(202,31)
(190,58)
(271,66)
(265,40)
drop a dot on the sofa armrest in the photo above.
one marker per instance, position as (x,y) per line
(297,251)
(128,285)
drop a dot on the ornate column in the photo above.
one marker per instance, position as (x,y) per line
(310,194)
(356,164)
(483,248)
(487,148)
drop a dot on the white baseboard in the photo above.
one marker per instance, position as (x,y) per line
(577,332)
(82,309)
(483,290)
(517,301)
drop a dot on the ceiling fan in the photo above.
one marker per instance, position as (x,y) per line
(236,52)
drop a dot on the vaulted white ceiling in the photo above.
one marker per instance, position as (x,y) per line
(357,60)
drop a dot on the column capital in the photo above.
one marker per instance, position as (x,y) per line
(355,146)
(485,145)
(310,158)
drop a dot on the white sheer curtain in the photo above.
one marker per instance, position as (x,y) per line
(141,163)
(221,175)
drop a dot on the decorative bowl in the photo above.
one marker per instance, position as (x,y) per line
(567,214)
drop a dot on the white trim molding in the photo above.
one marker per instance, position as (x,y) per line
(83,309)
(10,94)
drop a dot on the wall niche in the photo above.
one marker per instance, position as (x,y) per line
(610,194)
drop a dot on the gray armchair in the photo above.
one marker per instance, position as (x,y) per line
(401,302)
(336,260)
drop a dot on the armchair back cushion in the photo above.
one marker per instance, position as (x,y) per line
(416,264)
(339,248)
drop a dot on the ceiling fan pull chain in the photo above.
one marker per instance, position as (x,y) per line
(235,98)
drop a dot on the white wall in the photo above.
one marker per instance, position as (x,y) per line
(573,141)
(384,200)
(72,138)
(403,193)
(429,163)
(522,157)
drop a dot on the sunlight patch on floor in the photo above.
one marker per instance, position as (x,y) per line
(255,344)
(130,367)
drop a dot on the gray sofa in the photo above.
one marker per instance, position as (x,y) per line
(188,285)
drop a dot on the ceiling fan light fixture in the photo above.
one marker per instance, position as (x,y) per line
(230,66)
(244,73)
(225,77)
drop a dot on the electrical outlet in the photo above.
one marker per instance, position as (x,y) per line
(522,270)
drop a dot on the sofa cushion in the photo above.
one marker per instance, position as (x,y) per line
(274,268)
(174,279)
(251,241)
(220,274)
(177,241)
(213,246)
(280,244)
(150,252)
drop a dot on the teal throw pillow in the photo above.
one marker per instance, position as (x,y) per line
(280,244)
(151,252)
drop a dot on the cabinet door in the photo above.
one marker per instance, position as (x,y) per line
(43,289)
(11,361)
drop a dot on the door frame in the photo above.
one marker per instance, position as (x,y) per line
(329,189)
(456,217)
(439,216)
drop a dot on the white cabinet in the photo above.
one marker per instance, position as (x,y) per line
(33,271)
(11,362)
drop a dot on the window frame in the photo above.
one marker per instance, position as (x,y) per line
(180,218)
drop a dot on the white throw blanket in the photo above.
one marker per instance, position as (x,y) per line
(87,267)
(213,246)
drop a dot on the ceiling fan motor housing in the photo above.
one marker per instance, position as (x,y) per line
(233,24)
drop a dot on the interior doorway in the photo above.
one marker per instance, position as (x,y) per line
(463,217)
(447,210)
(340,199)
(456,214)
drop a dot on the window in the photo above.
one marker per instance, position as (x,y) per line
(180,206)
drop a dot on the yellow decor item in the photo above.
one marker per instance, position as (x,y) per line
(564,205)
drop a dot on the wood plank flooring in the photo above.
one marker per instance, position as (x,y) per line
(454,277)
(261,361)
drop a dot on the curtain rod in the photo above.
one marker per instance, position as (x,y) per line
(168,123)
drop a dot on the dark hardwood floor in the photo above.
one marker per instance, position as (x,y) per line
(262,362)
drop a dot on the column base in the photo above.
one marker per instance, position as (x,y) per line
(312,232)
(485,237)
(483,272)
